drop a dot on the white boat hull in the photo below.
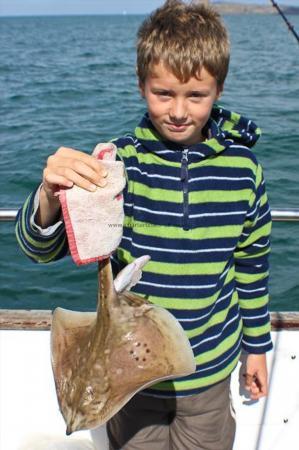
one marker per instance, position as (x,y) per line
(30,417)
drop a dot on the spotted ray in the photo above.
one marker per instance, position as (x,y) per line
(100,360)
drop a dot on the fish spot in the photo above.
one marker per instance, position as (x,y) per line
(137,359)
(143,359)
(148,350)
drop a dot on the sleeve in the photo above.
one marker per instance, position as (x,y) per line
(40,245)
(252,271)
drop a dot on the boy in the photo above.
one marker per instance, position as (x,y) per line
(196,203)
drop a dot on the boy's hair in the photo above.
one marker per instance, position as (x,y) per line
(185,38)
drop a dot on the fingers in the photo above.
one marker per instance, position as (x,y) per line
(256,385)
(74,156)
(68,167)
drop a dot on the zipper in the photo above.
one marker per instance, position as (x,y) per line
(184,180)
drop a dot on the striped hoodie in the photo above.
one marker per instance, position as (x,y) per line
(201,213)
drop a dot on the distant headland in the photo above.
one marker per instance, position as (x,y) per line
(243,8)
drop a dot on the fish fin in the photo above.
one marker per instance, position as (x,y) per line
(68,332)
(130,275)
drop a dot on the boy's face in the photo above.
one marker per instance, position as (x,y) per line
(179,111)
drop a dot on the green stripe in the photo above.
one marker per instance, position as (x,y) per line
(183,304)
(199,382)
(185,269)
(264,199)
(224,346)
(171,232)
(173,268)
(254,303)
(38,258)
(247,278)
(174,196)
(145,134)
(249,256)
(127,152)
(219,196)
(252,238)
(168,195)
(257,331)
(215,319)
(214,144)
(234,162)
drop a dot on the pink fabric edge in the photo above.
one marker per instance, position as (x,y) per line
(71,235)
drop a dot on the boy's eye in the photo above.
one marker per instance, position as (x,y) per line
(197,95)
(164,93)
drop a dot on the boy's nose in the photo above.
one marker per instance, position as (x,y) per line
(178,112)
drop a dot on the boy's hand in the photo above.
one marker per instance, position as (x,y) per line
(256,377)
(68,167)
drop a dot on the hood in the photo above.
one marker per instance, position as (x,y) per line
(224,128)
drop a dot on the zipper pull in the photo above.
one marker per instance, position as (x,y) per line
(184,168)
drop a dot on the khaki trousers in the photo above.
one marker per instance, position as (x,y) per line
(199,422)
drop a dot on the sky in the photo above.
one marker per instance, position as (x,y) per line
(45,7)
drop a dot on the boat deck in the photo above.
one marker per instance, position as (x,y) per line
(30,418)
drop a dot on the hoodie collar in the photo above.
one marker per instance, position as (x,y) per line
(223,129)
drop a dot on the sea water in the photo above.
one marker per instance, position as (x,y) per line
(70,81)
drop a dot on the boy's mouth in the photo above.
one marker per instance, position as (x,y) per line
(177,127)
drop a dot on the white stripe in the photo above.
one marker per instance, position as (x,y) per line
(223,360)
(256,345)
(160,152)
(224,273)
(154,175)
(217,335)
(132,138)
(160,213)
(211,310)
(261,245)
(135,141)
(263,214)
(177,286)
(231,213)
(238,146)
(251,290)
(245,234)
(197,154)
(173,250)
(191,216)
(255,317)
(221,178)
(256,206)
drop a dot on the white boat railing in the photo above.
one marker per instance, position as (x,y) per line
(278,214)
